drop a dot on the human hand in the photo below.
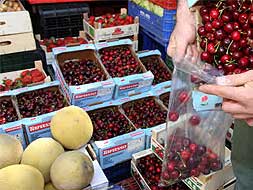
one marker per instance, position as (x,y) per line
(184,34)
(238,96)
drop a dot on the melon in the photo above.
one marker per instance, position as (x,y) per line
(72,170)
(21,177)
(50,186)
(41,154)
(11,150)
(72,127)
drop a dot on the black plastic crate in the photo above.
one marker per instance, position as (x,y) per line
(61,20)
(22,60)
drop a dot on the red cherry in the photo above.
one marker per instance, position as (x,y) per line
(171,166)
(214,13)
(243,62)
(229,68)
(195,172)
(217,23)
(205,56)
(205,18)
(219,34)
(185,155)
(193,147)
(165,175)
(243,42)
(194,120)
(183,96)
(243,18)
(173,116)
(212,156)
(174,174)
(225,58)
(208,27)
(211,48)
(228,27)
(237,71)
(251,18)
(236,25)
(201,31)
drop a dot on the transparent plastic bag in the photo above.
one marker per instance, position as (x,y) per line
(196,125)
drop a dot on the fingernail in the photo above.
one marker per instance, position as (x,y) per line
(250,122)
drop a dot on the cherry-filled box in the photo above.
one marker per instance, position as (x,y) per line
(10,122)
(111,26)
(115,138)
(123,65)
(37,106)
(153,62)
(23,78)
(146,113)
(82,76)
(146,169)
(165,98)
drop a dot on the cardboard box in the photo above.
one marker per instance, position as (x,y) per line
(15,129)
(99,180)
(143,97)
(132,84)
(156,53)
(120,148)
(10,25)
(98,33)
(17,43)
(86,94)
(39,126)
(15,74)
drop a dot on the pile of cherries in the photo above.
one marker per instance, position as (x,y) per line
(7,111)
(150,168)
(145,113)
(119,61)
(109,123)
(227,35)
(160,71)
(40,102)
(187,158)
(78,72)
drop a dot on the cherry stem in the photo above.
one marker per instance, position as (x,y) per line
(206,44)
(229,46)
(215,61)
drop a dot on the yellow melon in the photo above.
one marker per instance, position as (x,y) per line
(72,127)
(41,154)
(72,170)
(10,150)
(50,186)
(21,177)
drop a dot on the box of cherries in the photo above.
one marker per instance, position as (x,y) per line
(165,97)
(82,76)
(115,138)
(146,169)
(10,122)
(153,62)
(123,65)
(37,106)
(111,26)
(146,113)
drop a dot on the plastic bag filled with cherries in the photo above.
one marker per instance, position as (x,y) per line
(196,125)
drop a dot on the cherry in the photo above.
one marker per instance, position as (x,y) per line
(205,18)
(165,98)
(203,44)
(226,17)
(234,47)
(195,120)
(229,68)
(251,18)
(217,23)
(174,174)
(193,147)
(243,18)
(173,116)
(236,15)
(225,58)
(221,50)
(228,27)
(185,155)
(215,166)
(219,34)
(165,175)
(7,111)
(236,36)
(226,42)
(171,166)
(243,42)
(237,71)
(236,26)
(214,13)
(201,150)
(205,56)
(211,48)
(203,10)
(183,96)
(208,27)
(202,31)
(195,172)
(243,62)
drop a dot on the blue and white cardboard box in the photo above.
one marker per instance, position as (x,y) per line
(86,94)
(132,84)
(118,149)
(14,129)
(148,131)
(161,86)
(39,126)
